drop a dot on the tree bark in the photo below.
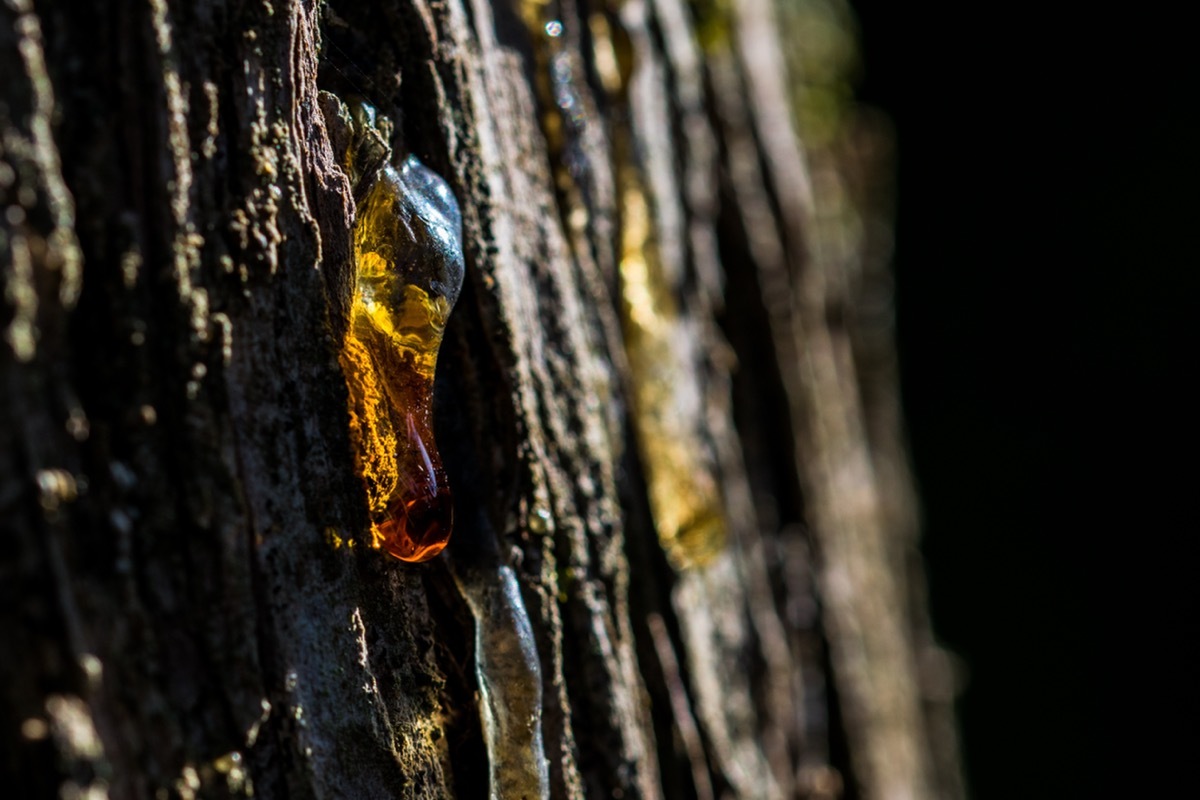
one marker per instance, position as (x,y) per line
(191,605)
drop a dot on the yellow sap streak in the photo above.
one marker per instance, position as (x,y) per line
(684,498)
(613,64)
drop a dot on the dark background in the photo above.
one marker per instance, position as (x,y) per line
(1046,264)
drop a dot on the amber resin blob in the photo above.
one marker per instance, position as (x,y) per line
(408,273)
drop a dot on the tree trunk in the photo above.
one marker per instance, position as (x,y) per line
(684,561)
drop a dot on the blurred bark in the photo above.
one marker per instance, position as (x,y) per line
(185,612)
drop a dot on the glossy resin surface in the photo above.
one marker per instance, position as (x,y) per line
(408,273)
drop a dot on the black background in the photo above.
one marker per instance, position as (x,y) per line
(1047,251)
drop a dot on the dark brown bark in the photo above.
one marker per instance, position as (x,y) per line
(188,608)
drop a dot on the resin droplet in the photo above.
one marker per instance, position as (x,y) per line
(408,273)
(419,518)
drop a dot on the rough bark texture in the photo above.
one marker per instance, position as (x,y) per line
(182,614)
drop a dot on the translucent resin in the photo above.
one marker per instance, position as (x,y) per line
(408,273)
